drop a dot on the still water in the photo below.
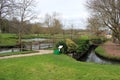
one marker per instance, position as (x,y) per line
(34,47)
(92,57)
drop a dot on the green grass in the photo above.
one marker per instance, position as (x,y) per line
(100,51)
(6,36)
(85,37)
(36,36)
(15,53)
(8,39)
(54,67)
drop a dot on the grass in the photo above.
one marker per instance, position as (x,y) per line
(100,51)
(54,67)
(36,36)
(15,53)
(85,37)
(8,39)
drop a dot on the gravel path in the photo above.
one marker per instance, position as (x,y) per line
(31,54)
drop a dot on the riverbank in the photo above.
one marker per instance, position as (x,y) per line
(109,50)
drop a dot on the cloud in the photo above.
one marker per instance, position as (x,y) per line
(70,10)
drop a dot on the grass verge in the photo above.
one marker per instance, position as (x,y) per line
(101,52)
(54,67)
(16,53)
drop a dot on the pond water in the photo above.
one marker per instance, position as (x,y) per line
(42,46)
(9,50)
(34,39)
(34,46)
(92,57)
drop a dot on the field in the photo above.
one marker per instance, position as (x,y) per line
(55,67)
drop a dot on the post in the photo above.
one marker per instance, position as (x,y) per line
(30,45)
(12,49)
(39,45)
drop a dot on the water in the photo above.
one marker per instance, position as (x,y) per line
(34,46)
(9,50)
(38,46)
(42,46)
(34,39)
(92,57)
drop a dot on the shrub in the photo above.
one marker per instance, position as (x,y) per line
(64,49)
(83,45)
(98,40)
(72,46)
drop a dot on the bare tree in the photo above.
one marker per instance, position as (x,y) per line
(94,25)
(48,22)
(53,23)
(24,13)
(36,28)
(57,26)
(109,12)
(5,10)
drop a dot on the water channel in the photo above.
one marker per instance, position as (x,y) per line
(93,57)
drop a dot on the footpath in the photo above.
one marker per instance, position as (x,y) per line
(40,52)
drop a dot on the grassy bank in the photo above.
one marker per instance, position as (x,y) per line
(54,67)
(15,53)
(100,51)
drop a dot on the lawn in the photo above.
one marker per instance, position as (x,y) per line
(55,67)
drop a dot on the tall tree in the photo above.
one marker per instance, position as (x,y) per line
(5,10)
(36,28)
(53,23)
(94,25)
(109,12)
(48,22)
(24,13)
(57,26)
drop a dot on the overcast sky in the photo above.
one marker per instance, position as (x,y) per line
(71,11)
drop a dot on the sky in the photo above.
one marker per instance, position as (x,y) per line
(71,11)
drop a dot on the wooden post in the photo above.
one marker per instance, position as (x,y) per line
(39,45)
(30,45)
(12,49)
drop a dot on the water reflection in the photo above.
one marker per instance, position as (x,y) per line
(34,46)
(39,46)
(92,57)
(9,50)
(34,39)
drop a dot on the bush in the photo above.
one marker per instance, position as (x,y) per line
(98,40)
(72,46)
(83,45)
(64,49)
